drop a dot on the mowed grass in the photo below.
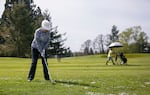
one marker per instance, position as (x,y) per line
(87,75)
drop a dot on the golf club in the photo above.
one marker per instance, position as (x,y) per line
(52,81)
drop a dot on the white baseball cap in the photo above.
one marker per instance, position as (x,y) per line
(45,25)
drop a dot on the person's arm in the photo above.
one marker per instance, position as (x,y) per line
(47,42)
(38,41)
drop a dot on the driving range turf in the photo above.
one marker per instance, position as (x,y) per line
(86,75)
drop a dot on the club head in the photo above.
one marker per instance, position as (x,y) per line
(53,82)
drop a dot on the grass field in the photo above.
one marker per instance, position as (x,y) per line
(87,75)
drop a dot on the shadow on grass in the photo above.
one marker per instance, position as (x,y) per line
(75,83)
(111,65)
(131,65)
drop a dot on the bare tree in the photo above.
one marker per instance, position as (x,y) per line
(107,40)
(86,46)
(98,43)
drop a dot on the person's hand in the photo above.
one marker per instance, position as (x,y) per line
(43,53)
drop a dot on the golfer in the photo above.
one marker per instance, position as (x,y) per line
(110,52)
(38,47)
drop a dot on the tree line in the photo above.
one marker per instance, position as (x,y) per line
(19,21)
(134,40)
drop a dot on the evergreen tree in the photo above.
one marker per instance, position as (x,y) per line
(24,28)
(114,33)
(19,20)
(56,42)
(18,23)
(112,37)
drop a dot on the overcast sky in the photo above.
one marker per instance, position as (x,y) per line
(85,19)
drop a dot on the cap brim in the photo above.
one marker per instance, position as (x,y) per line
(46,28)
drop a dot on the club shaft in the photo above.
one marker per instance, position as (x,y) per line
(48,69)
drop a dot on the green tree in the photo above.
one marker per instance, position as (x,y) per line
(24,28)
(140,38)
(56,43)
(134,39)
(125,38)
(112,37)
(19,20)
(114,33)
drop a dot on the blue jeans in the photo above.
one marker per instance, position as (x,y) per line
(35,55)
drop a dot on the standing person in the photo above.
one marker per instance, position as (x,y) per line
(38,47)
(110,52)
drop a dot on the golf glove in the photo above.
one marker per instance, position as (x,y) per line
(43,53)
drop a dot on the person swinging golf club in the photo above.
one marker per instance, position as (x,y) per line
(38,47)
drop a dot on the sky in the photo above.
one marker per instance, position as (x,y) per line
(85,19)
